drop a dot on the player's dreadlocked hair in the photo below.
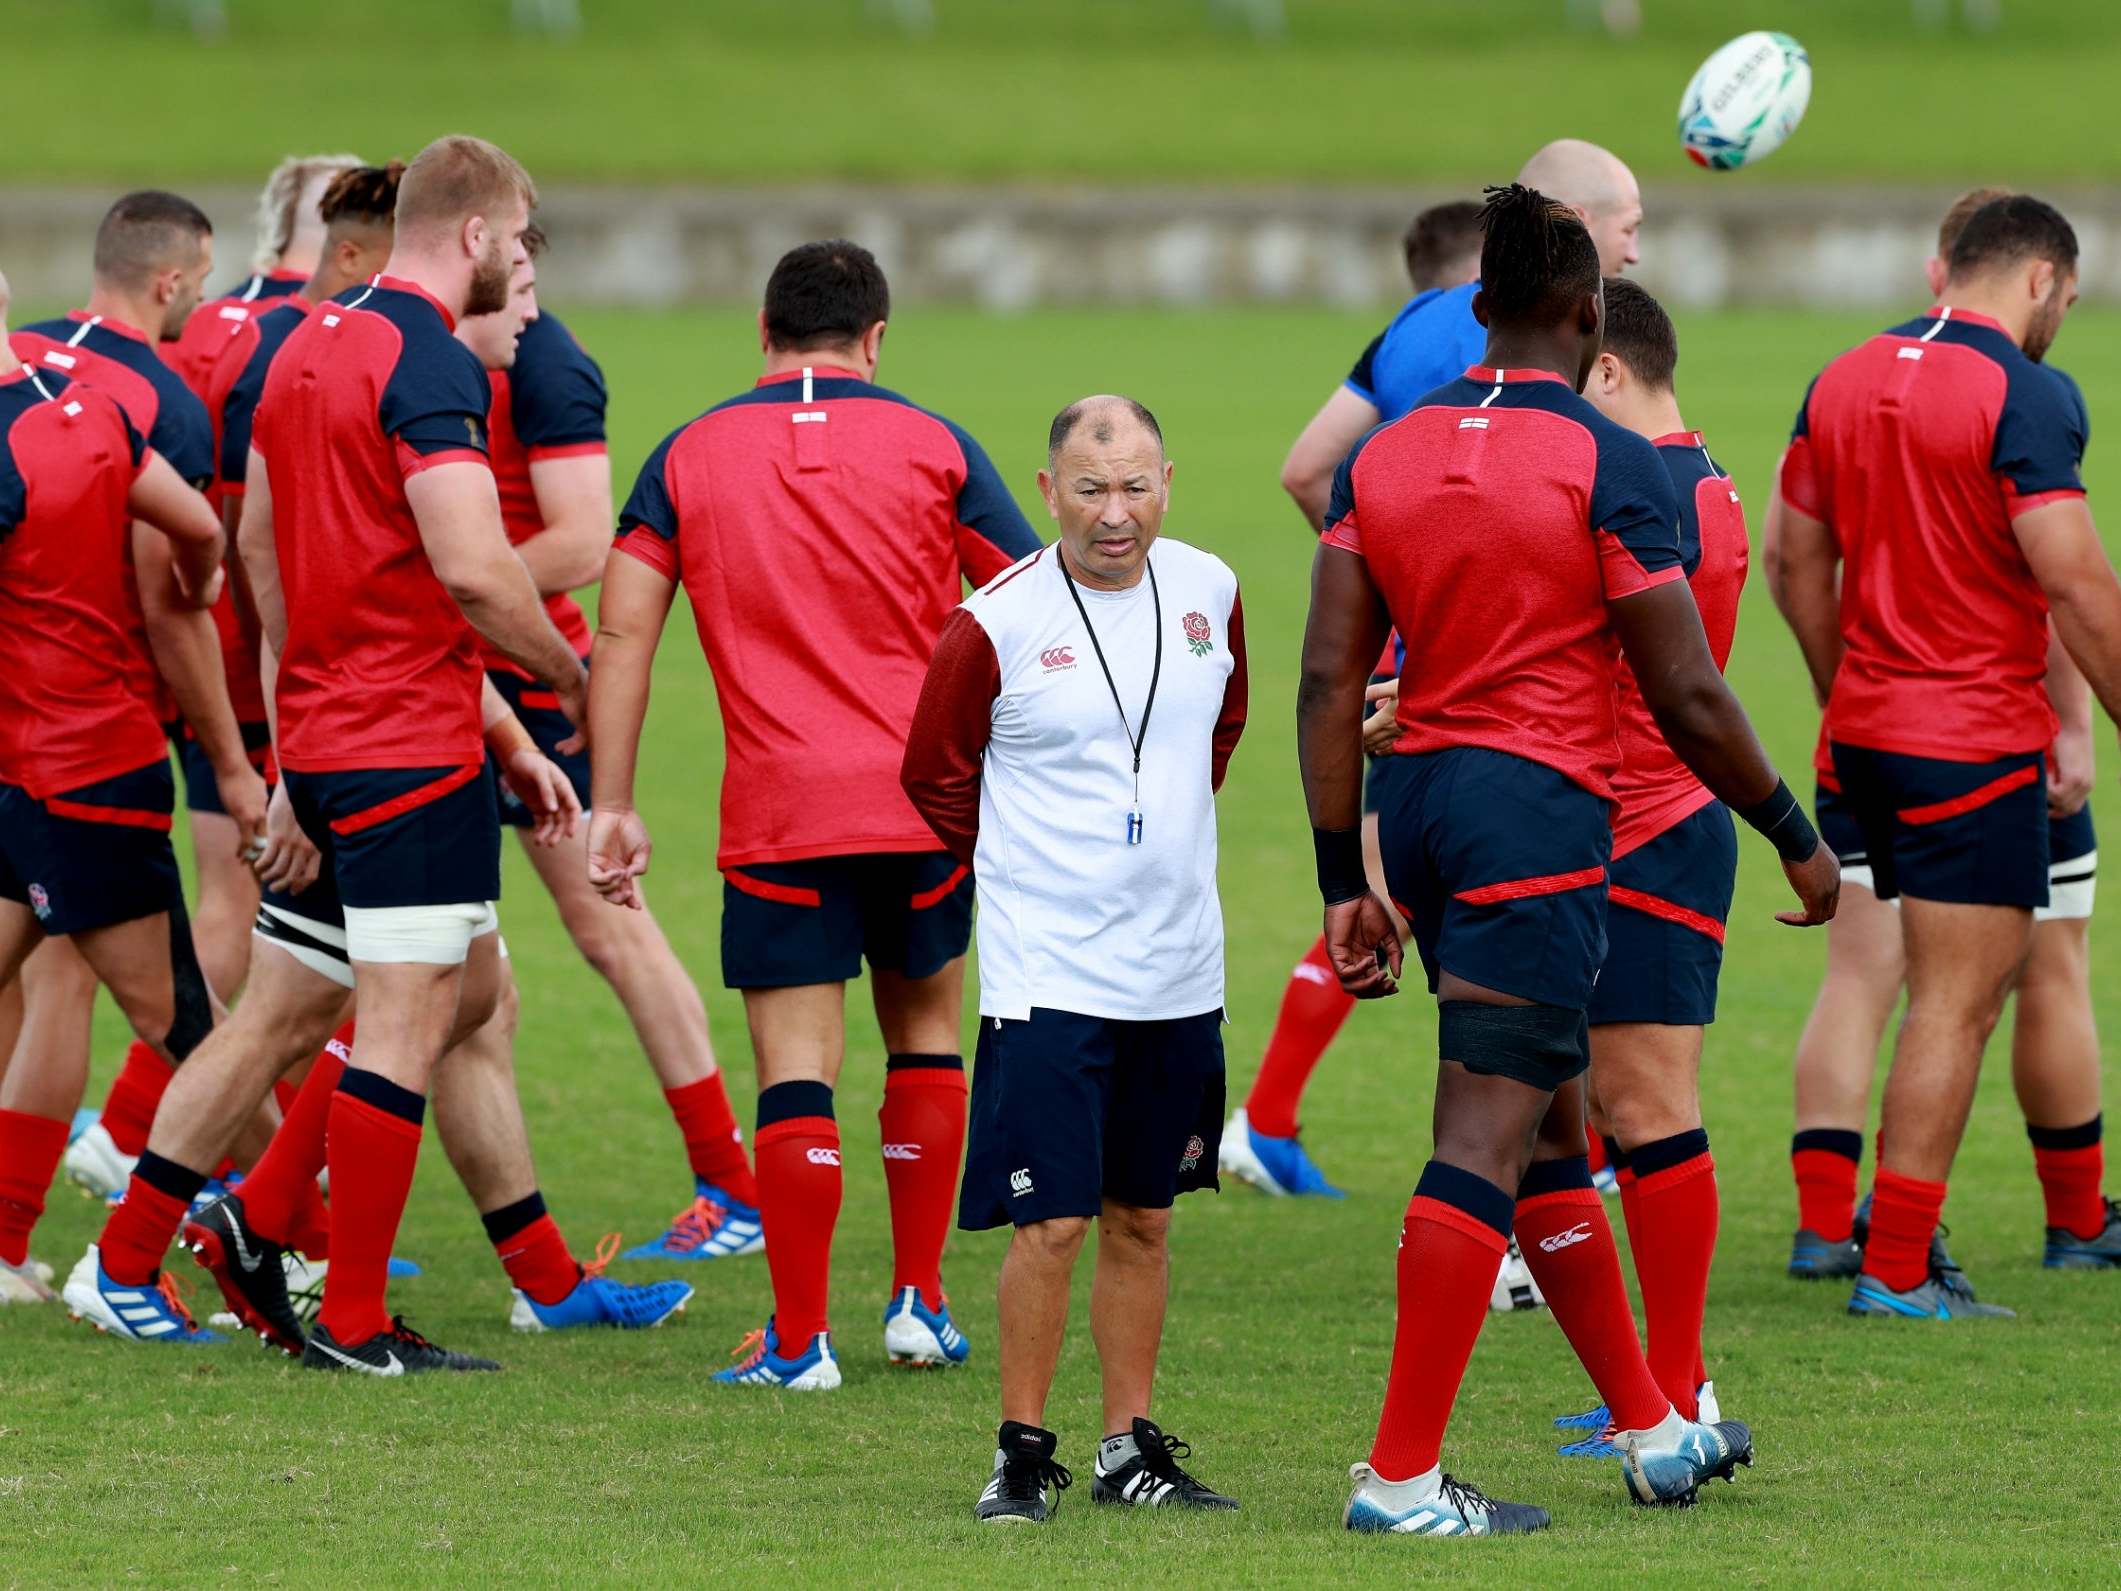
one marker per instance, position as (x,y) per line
(365,195)
(1536,259)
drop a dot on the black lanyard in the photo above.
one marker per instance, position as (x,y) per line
(1134,738)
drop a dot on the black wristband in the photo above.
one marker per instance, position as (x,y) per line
(1340,871)
(1781,817)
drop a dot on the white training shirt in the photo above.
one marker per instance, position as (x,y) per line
(1019,761)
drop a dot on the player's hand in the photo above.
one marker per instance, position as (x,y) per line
(574,702)
(204,594)
(2073,768)
(618,854)
(540,785)
(1381,728)
(290,861)
(244,798)
(1817,881)
(1362,942)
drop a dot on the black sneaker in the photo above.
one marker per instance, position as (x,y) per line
(251,1271)
(400,1351)
(1023,1473)
(1152,1478)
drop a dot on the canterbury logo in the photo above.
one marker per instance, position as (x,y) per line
(1056,657)
(1020,1182)
(1579,1233)
(822,1157)
(343,1051)
(902,1151)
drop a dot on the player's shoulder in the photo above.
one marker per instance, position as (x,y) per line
(1433,311)
(1194,564)
(548,345)
(1011,591)
(918,415)
(1686,458)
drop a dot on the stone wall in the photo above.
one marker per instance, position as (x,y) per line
(1717,240)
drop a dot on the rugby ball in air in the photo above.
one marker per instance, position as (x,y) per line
(1747,98)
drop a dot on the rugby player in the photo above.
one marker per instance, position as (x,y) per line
(1538,534)
(86,794)
(546,436)
(1675,860)
(1431,341)
(371,432)
(1932,658)
(814,519)
(2054,1041)
(153,253)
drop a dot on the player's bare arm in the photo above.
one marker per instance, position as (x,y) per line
(2075,763)
(1307,473)
(160,497)
(459,515)
(1660,631)
(574,501)
(2084,599)
(1345,632)
(1802,559)
(632,606)
(289,860)
(534,777)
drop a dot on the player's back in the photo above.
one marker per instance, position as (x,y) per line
(1497,517)
(380,668)
(822,527)
(68,651)
(1918,447)
(1653,788)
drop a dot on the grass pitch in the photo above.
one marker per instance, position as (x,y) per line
(1887,1451)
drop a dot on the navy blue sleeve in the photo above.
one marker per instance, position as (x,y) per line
(2039,445)
(557,396)
(1802,429)
(2080,415)
(239,411)
(14,495)
(183,433)
(1342,528)
(1362,380)
(437,397)
(992,531)
(1688,467)
(648,506)
(1634,514)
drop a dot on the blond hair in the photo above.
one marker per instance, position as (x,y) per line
(457,177)
(281,194)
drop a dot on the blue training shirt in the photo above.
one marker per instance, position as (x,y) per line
(1432,340)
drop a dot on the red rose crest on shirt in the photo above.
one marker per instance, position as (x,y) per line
(1198,635)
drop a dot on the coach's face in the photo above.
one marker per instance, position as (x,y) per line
(1108,488)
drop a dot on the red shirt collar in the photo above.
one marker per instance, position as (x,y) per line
(1677,439)
(402,284)
(1965,317)
(1491,375)
(816,372)
(107,324)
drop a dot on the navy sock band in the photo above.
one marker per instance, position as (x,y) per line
(786,1101)
(1555,1176)
(373,1088)
(2081,1136)
(930,1063)
(1834,1140)
(1661,1154)
(1615,1156)
(506,1222)
(1477,1196)
(166,1176)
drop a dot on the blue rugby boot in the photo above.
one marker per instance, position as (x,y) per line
(597,1300)
(761,1364)
(1942,1296)
(2068,1252)
(399,1268)
(922,1337)
(1438,1506)
(1590,1420)
(154,1313)
(1666,1465)
(713,1227)
(1273,1165)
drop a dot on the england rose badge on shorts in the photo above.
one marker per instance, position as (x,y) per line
(1191,1158)
(40,902)
(1198,635)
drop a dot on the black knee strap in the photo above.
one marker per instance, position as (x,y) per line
(192,1006)
(1544,1041)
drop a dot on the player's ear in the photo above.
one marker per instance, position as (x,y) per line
(2042,281)
(1046,490)
(1480,305)
(765,342)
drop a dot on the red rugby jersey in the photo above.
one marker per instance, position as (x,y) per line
(549,405)
(381,668)
(195,351)
(1498,517)
(1917,448)
(1655,790)
(821,526)
(69,712)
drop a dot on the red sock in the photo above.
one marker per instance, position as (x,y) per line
(1313,1006)
(129,1107)
(280,1194)
(1674,1239)
(1596,1156)
(532,1251)
(372,1146)
(1453,1238)
(1904,1213)
(799,1204)
(283,1095)
(1565,1238)
(922,1121)
(30,1147)
(311,1233)
(142,1227)
(714,1143)
(2072,1166)
(1824,1162)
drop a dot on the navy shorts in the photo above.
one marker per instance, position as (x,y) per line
(1499,864)
(539,711)
(1068,1111)
(788,924)
(1668,900)
(92,857)
(1968,833)
(396,837)
(1377,776)
(202,791)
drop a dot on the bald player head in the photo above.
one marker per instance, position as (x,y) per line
(1598,186)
